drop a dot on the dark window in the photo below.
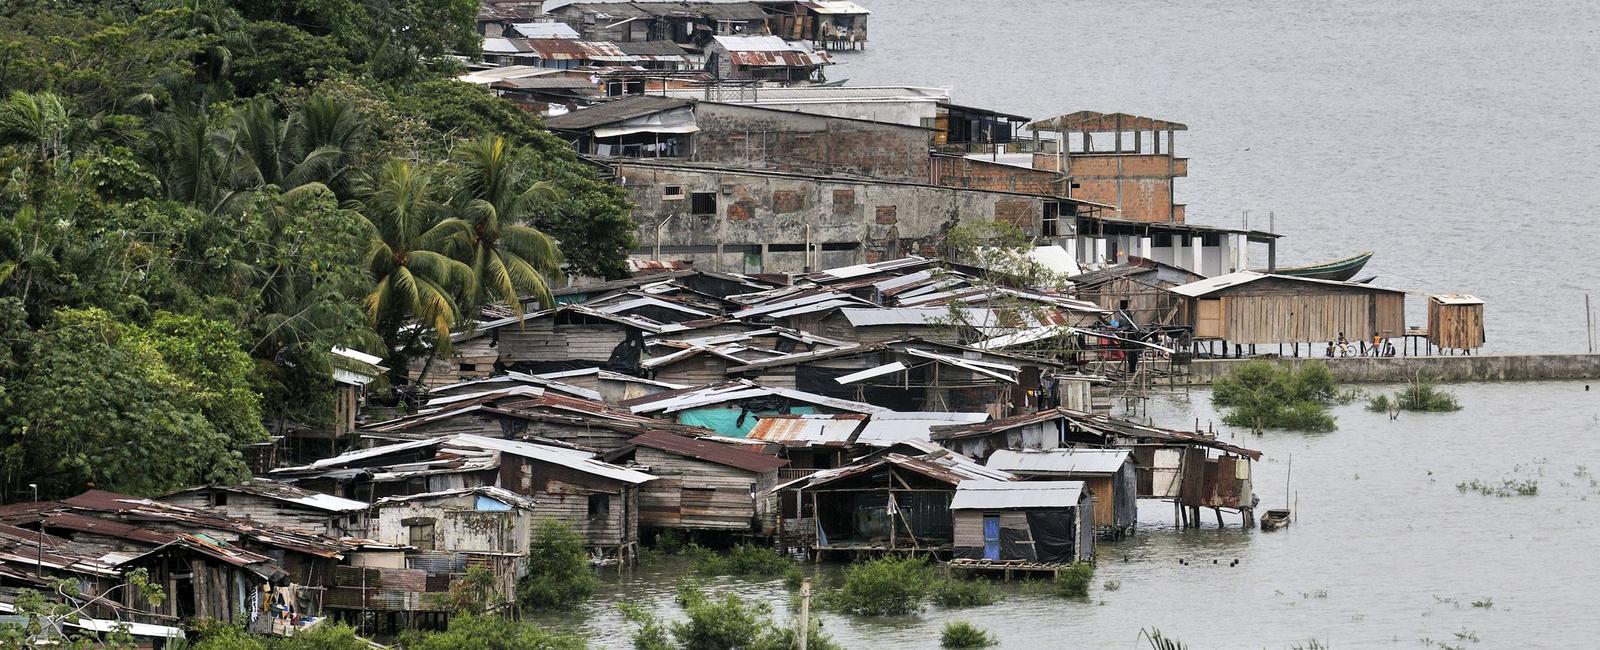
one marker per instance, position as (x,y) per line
(469,367)
(219,498)
(422,536)
(599,506)
(702,203)
(1051,213)
(672,192)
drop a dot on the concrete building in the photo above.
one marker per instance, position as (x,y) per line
(754,221)
(908,105)
(1109,160)
(744,135)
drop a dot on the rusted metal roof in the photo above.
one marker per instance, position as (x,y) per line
(771,52)
(807,430)
(960,431)
(734,456)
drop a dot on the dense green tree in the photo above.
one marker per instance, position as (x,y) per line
(413,280)
(592,222)
(508,258)
(99,403)
(483,632)
(1265,395)
(558,575)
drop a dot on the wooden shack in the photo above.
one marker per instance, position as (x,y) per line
(1109,474)
(1455,321)
(1138,288)
(1249,307)
(702,485)
(890,502)
(1049,522)
(278,504)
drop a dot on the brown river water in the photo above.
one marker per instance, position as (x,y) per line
(1457,141)
(1385,551)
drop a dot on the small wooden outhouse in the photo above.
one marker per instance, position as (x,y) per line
(1455,321)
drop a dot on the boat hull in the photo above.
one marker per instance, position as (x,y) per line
(1338,270)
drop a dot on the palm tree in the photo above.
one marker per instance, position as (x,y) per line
(38,124)
(307,148)
(412,279)
(508,258)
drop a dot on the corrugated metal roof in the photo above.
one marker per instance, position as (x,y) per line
(614,111)
(736,456)
(1456,299)
(871,317)
(1059,461)
(836,7)
(545,30)
(288,494)
(1212,285)
(553,455)
(1007,495)
(858,270)
(807,429)
(500,494)
(886,430)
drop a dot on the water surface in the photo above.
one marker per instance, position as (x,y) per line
(1455,139)
(1385,550)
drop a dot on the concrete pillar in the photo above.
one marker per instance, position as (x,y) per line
(1099,251)
(1144,247)
(1176,251)
(1225,260)
(1071,244)
(1198,247)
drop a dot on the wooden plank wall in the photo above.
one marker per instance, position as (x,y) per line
(1291,318)
(1457,327)
(694,494)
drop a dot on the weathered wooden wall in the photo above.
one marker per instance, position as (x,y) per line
(696,494)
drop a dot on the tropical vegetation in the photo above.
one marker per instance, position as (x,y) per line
(1262,395)
(200,198)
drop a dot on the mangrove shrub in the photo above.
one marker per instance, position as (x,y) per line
(1073,582)
(719,622)
(1263,395)
(884,586)
(558,576)
(961,634)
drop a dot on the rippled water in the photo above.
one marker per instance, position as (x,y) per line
(1455,139)
(1384,552)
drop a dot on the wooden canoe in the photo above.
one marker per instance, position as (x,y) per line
(1275,519)
(1339,270)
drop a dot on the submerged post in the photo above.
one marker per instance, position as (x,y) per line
(805,612)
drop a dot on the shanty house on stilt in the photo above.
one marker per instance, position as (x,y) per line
(1109,475)
(703,485)
(1049,522)
(892,503)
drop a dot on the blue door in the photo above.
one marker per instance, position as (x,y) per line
(991,537)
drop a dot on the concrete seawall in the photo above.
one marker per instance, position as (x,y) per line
(1202,372)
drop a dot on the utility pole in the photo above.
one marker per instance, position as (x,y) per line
(805,612)
(1588,323)
(38,569)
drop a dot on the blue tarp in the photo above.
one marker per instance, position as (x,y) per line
(725,421)
(489,504)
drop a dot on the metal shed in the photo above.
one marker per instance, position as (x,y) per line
(1032,521)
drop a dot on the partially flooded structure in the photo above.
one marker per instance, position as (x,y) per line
(1108,474)
(702,485)
(1044,522)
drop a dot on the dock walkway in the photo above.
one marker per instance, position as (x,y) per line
(1489,367)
